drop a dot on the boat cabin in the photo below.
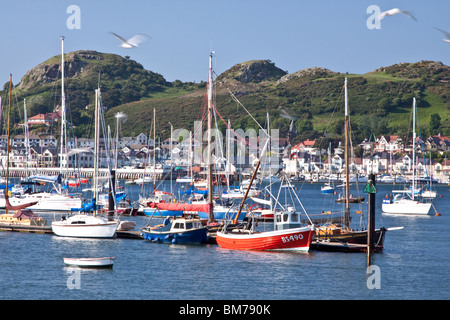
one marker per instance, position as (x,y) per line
(287,219)
(180,225)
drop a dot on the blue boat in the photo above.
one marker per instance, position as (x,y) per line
(155,212)
(327,189)
(223,213)
(179,231)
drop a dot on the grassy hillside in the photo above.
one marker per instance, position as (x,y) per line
(380,101)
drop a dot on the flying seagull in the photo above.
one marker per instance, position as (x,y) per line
(395,11)
(284,114)
(446,34)
(133,42)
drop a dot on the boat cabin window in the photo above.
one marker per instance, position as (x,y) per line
(179,225)
(78,222)
(278,218)
(285,217)
(294,217)
(189,225)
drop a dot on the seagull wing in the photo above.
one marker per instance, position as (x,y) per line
(119,37)
(137,39)
(395,11)
(408,14)
(447,34)
(286,115)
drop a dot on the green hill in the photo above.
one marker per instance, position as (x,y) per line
(380,101)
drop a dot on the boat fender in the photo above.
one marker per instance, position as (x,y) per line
(174,241)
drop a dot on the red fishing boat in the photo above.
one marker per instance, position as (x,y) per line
(298,239)
(289,232)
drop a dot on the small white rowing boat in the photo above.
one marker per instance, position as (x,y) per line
(105,262)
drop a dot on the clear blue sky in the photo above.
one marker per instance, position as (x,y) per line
(294,34)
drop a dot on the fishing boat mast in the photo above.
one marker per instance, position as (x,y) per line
(209,162)
(347,193)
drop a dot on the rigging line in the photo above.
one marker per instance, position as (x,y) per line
(237,100)
(221,149)
(234,132)
(332,114)
(108,158)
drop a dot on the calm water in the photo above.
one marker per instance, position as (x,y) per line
(412,266)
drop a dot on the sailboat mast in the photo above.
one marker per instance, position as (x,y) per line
(154,150)
(347,193)
(414,148)
(63,109)
(210,184)
(27,135)
(7,143)
(96,134)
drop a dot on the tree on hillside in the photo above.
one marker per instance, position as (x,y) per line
(435,123)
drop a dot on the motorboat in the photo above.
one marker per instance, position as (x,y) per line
(85,226)
(179,231)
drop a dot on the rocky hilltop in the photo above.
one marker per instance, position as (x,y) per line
(380,100)
(255,71)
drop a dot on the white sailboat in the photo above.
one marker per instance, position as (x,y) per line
(87,225)
(328,188)
(57,199)
(406,201)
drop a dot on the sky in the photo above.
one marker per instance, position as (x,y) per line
(294,34)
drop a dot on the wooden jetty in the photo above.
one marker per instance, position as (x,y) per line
(27,229)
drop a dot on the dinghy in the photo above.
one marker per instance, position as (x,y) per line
(105,262)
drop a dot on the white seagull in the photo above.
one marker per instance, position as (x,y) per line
(395,11)
(133,42)
(446,34)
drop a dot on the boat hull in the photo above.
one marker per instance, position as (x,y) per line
(296,239)
(97,228)
(155,212)
(406,207)
(194,236)
(105,262)
(45,202)
(327,190)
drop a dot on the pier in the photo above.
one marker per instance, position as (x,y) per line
(121,173)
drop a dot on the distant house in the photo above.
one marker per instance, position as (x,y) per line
(85,143)
(437,142)
(48,140)
(79,158)
(46,119)
(142,139)
(304,146)
(376,163)
(46,156)
(390,144)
